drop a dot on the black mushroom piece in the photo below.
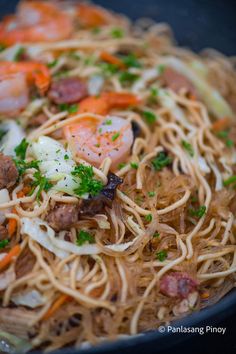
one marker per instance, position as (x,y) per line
(136,129)
(95,205)
(8,172)
(63,216)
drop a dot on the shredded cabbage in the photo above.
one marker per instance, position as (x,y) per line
(12,344)
(32,299)
(12,138)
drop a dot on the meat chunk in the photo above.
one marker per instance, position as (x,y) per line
(68,90)
(63,216)
(177,284)
(8,172)
(176,81)
(3,232)
(24,263)
(38,120)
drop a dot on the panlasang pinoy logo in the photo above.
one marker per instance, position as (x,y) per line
(198,330)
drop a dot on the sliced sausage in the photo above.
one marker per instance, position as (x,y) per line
(8,172)
(177,284)
(63,216)
(24,263)
(68,90)
(176,81)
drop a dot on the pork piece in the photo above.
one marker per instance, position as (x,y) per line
(177,284)
(38,120)
(176,81)
(17,321)
(8,171)
(63,216)
(68,90)
(24,263)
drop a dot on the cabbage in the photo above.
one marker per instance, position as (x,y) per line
(212,98)
(7,278)
(56,164)
(32,299)
(12,138)
(4,198)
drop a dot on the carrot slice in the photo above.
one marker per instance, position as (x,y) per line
(25,190)
(57,304)
(111,59)
(97,105)
(92,16)
(221,124)
(12,225)
(14,252)
(120,99)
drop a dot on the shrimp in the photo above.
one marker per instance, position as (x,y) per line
(93,139)
(14,95)
(35,72)
(93,16)
(36,21)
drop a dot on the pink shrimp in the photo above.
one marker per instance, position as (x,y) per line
(94,139)
(13,94)
(35,72)
(36,21)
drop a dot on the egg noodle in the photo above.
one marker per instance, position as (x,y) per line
(155,118)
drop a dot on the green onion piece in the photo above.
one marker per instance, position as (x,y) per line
(198,212)
(188,147)
(161,255)
(150,117)
(229,180)
(3,243)
(84,237)
(148,217)
(161,160)
(115,136)
(117,32)
(134,165)
(20,149)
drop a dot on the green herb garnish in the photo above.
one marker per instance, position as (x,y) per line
(229,143)
(22,166)
(223,134)
(156,235)
(109,69)
(151,194)
(96,30)
(66,157)
(127,77)
(19,54)
(42,182)
(70,108)
(3,243)
(115,136)
(134,165)
(117,32)
(87,183)
(52,64)
(2,133)
(108,122)
(161,160)
(131,61)
(188,147)
(83,237)
(149,116)
(2,47)
(198,212)
(121,165)
(161,255)
(148,217)
(229,180)
(20,149)
(161,69)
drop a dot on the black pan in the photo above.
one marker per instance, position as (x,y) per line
(197,24)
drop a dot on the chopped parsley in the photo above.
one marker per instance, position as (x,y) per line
(117,32)
(230,180)
(148,217)
(151,194)
(156,234)
(22,166)
(52,64)
(115,136)
(131,61)
(74,56)
(154,92)
(161,69)
(223,134)
(161,160)
(88,184)
(66,157)
(42,182)
(20,149)
(198,212)
(149,117)
(121,165)
(2,133)
(134,165)
(229,143)
(108,68)
(70,108)
(3,243)
(161,255)
(2,47)
(96,30)
(83,237)
(127,77)
(19,54)
(188,147)
(108,122)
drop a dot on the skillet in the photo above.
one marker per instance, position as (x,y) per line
(196,24)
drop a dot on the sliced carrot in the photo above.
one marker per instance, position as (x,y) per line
(57,304)
(12,225)
(97,105)
(111,59)
(221,124)
(120,99)
(205,295)
(25,190)
(92,16)
(14,252)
